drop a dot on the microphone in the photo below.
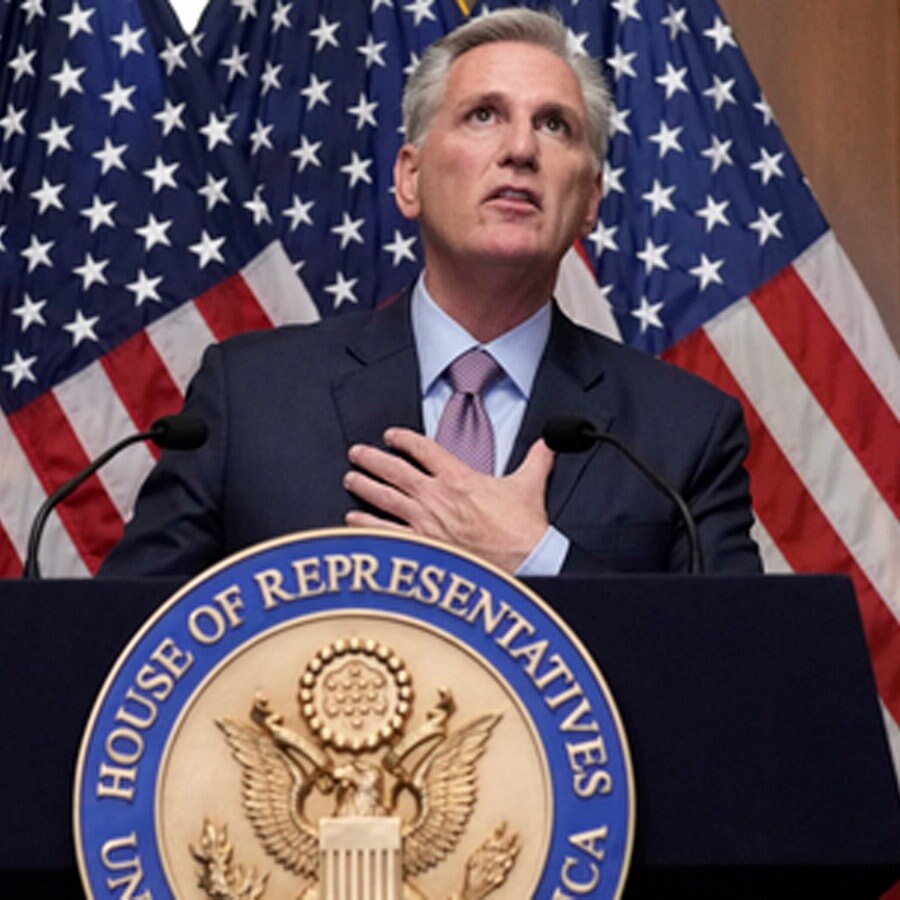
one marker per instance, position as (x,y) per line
(181,432)
(572,434)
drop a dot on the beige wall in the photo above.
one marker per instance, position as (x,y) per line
(831,72)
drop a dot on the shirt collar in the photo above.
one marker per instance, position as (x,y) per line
(440,339)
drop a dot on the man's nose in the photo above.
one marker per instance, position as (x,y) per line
(520,148)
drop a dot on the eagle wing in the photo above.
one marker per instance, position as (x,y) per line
(447,788)
(272,788)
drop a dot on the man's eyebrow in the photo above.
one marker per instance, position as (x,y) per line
(558,106)
(542,108)
(482,97)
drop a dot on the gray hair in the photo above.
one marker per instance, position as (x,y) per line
(425,87)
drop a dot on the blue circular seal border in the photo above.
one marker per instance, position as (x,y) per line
(220,610)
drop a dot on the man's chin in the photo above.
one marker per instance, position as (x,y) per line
(520,244)
(518,255)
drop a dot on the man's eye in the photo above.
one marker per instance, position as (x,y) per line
(556,125)
(482,114)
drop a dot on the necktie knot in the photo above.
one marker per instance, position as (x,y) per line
(473,372)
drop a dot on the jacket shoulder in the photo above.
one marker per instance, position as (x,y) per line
(642,375)
(338,329)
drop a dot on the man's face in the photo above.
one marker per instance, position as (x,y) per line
(505,174)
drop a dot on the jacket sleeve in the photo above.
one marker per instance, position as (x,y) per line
(718,495)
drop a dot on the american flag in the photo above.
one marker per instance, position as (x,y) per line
(710,250)
(131,235)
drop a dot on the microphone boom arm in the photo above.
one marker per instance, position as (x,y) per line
(667,489)
(32,567)
(572,434)
(176,432)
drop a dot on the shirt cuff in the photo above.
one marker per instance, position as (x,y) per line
(548,556)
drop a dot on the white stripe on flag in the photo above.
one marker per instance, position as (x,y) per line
(892,730)
(180,337)
(773,559)
(581,299)
(98,425)
(813,446)
(276,286)
(21,494)
(827,272)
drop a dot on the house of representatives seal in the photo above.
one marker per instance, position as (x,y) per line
(348,714)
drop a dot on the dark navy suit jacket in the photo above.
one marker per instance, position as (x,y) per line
(284,406)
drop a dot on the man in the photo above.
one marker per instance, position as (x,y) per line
(506,133)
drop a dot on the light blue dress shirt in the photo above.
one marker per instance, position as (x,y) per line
(440,340)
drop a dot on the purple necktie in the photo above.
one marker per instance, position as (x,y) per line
(465,429)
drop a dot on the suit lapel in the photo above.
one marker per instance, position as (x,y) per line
(383,389)
(570,380)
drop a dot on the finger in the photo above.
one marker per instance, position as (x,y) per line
(535,469)
(384,497)
(356,518)
(387,467)
(426,452)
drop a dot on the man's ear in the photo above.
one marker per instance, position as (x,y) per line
(406,181)
(593,204)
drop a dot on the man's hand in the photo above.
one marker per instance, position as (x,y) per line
(499,519)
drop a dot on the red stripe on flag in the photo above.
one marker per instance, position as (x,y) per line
(142,382)
(231,308)
(10,564)
(795,521)
(835,377)
(56,454)
(582,251)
